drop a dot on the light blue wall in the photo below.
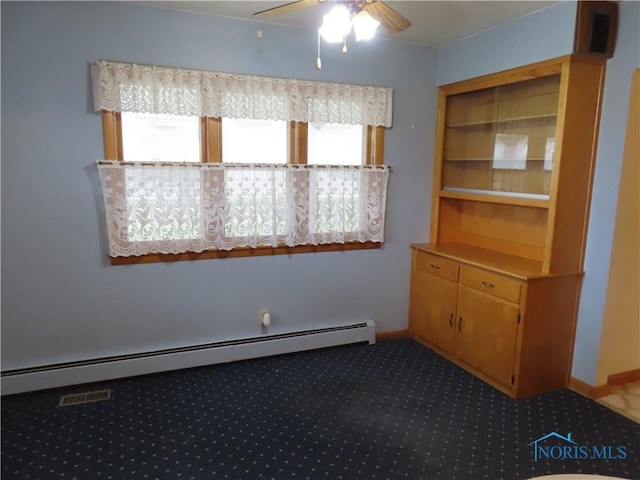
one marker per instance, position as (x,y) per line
(540,36)
(604,201)
(62,301)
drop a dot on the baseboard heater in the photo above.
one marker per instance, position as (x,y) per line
(109,368)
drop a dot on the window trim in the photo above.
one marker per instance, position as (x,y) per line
(211,149)
(243,252)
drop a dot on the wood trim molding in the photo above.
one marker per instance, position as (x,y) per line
(298,138)
(598,391)
(624,377)
(378,151)
(243,252)
(112,135)
(392,335)
(587,390)
(211,140)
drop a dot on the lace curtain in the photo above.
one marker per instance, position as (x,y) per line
(176,208)
(123,87)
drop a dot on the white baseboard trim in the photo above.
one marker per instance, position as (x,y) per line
(97,370)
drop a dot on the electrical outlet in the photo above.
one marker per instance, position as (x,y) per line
(263,312)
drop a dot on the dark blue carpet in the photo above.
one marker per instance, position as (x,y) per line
(394,410)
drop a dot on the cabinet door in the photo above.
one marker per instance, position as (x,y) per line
(486,331)
(433,309)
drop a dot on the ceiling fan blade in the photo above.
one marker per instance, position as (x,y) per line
(391,20)
(287,7)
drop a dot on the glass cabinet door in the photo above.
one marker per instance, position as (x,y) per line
(501,140)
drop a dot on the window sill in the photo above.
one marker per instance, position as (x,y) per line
(243,252)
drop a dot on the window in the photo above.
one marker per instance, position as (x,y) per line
(335,144)
(254,141)
(206,174)
(160,137)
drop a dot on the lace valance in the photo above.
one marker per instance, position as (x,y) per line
(125,87)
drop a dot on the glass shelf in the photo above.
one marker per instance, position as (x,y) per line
(493,193)
(492,122)
(528,159)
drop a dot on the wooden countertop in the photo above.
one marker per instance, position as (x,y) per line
(519,267)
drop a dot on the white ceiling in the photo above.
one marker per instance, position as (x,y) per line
(434,23)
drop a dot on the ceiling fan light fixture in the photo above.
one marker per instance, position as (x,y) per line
(336,24)
(364,26)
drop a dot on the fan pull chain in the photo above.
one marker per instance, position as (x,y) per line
(344,44)
(318,61)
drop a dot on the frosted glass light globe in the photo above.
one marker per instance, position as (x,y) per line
(364,26)
(336,24)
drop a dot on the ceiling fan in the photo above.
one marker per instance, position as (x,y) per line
(363,16)
(391,20)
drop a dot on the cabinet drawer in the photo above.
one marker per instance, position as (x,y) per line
(440,266)
(492,283)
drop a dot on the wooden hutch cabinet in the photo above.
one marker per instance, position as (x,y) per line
(496,290)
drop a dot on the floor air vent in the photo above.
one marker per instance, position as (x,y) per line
(85,397)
